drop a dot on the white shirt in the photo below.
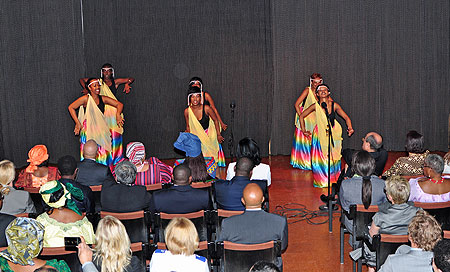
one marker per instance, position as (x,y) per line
(447,168)
(164,261)
(261,171)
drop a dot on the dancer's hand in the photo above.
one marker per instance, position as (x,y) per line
(77,129)
(220,139)
(127,88)
(85,91)
(306,133)
(350,131)
(120,120)
(223,126)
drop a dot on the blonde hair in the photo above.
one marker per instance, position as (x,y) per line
(181,236)
(7,175)
(424,230)
(112,245)
(398,188)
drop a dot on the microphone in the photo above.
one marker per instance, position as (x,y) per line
(324,106)
(232,104)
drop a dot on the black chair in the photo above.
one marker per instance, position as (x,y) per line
(263,184)
(217,216)
(139,250)
(241,257)
(97,192)
(440,211)
(446,234)
(61,253)
(385,244)
(29,215)
(161,220)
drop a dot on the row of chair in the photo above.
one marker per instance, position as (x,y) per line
(384,244)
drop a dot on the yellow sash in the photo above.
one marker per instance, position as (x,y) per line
(310,120)
(321,120)
(110,111)
(210,146)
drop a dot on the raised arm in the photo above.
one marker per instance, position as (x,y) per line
(348,122)
(302,119)
(213,107)
(83,81)
(186,118)
(127,81)
(300,100)
(212,115)
(72,110)
(118,106)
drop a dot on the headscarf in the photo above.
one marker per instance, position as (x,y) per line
(136,153)
(66,199)
(189,143)
(25,238)
(37,155)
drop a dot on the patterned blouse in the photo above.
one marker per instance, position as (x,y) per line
(407,166)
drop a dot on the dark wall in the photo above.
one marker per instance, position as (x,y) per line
(386,62)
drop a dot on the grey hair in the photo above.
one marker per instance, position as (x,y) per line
(373,143)
(126,172)
(435,162)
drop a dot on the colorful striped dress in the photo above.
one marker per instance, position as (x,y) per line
(157,172)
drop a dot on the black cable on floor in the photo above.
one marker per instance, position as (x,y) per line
(296,212)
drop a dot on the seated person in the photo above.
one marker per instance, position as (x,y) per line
(5,219)
(15,201)
(247,147)
(433,187)
(423,233)
(120,195)
(180,198)
(90,172)
(38,172)
(67,168)
(112,249)
(202,169)
(363,188)
(182,240)
(25,238)
(255,226)
(62,217)
(263,266)
(149,171)
(413,164)
(447,163)
(441,259)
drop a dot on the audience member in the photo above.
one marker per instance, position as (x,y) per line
(67,168)
(149,171)
(46,268)
(433,187)
(202,169)
(38,172)
(229,193)
(112,251)
(447,162)
(441,260)
(423,233)
(15,201)
(413,164)
(364,187)
(5,219)
(255,225)
(247,147)
(62,217)
(263,266)
(121,195)
(25,238)
(182,240)
(90,172)
(180,198)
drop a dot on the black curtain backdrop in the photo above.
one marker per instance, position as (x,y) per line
(387,63)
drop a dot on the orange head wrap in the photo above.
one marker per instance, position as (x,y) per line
(37,155)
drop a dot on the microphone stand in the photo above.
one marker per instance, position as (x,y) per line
(231,139)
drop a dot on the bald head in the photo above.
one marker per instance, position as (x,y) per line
(90,149)
(372,142)
(252,196)
(244,167)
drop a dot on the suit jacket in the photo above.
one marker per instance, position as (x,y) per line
(92,173)
(5,219)
(87,204)
(17,201)
(229,192)
(180,199)
(117,197)
(253,227)
(407,259)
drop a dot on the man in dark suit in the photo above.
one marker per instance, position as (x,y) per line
(67,168)
(181,198)
(90,172)
(121,195)
(255,226)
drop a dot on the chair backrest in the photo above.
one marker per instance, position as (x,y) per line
(153,187)
(198,218)
(96,192)
(36,198)
(446,234)
(140,251)
(386,244)
(263,184)
(362,218)
(136,223)
(440,211)
(241,257)
(60,253)
(220,215)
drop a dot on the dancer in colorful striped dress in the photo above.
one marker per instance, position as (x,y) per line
(91,122)
(319,137)
(301,148)
(202,121)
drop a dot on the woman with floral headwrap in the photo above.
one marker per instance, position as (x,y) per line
(25,238)
(62,217)
(38,172)
(99,118)
(149,171)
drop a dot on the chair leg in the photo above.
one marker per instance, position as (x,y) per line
(341,245)
(359,265)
